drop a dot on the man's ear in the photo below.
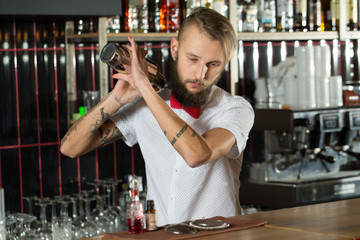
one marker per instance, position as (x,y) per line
(174,47)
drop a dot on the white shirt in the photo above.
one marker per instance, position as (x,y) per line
(180,192)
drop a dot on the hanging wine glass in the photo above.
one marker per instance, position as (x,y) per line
(90,229)
(77,212)
(29,203)
(113,210)
(43,229)
(105,223)
(63,201)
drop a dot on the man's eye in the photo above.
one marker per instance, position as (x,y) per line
(215,64)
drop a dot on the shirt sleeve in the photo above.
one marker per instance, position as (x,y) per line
(237,116)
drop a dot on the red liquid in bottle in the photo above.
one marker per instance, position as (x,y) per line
(169,15)
(135,225)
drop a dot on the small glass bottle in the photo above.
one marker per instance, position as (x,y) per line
(300,15)
(332,18)
(284,16)
(134,208)
(315,18)
(267,15)
(352,15)
(169,15)
(250,17)
(150,216)
(138,16)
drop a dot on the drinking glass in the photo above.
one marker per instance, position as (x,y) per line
(104,222)
(43,228)
(61,228)
(113,209)
(23,228)
(2,214)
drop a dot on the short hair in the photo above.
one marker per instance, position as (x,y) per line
(215,26)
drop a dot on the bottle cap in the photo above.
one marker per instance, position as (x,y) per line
(134,183)
(150,203)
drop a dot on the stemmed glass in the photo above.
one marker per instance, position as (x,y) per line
(43,230)
(77,221)
(29,200)
(105,223)
(63,202)
(90,229)
(113,209)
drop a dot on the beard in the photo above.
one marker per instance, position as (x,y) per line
(184,96)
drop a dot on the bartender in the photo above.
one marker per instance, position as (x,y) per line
(192,134)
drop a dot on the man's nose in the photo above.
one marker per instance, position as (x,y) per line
(201,71)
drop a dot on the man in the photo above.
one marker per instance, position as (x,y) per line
(193,155)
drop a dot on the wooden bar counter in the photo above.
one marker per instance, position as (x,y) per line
(333,220)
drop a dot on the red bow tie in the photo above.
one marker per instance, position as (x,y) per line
(192,111)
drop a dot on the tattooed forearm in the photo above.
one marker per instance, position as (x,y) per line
(118,100)
(178,135)
(104,117)
(72,128)
(110,136)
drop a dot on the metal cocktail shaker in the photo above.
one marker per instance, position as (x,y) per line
(117,56)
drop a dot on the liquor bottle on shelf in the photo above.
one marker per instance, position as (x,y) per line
(154,15)
(124,18)
(315,21)
(250,21)
(352,15)
(169,15)
(332,15)
(138,16)
(300,15)
(266,15)
(182,11)
(284,16)
(206,3)
(113,24)
(220,7)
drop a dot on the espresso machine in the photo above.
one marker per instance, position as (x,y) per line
(307,156)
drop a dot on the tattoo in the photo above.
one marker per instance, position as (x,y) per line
(178,135)
(98,123)
(118,100)
(110,136)
(104,116)
(72,129)
(193,134)
(165,132)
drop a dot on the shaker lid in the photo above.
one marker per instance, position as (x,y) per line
(108,52)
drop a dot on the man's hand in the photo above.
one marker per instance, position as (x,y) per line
(134,76)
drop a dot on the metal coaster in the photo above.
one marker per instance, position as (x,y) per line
(181,228)
(209,224)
